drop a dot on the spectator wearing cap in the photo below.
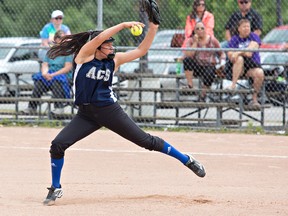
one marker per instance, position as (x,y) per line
(245,12)
(48,31)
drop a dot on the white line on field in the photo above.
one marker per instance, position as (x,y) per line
(144,151)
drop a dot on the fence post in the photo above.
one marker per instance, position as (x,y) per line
(99,14)
(278,13)
(144,19)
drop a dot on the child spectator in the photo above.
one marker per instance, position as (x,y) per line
(52,77)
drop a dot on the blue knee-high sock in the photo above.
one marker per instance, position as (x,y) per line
(56,167)
(170,150)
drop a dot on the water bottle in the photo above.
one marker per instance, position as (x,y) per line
(178,67)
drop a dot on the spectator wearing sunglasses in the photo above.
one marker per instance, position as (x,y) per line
(202,63)
(48,31)
(245,12)
(198,13)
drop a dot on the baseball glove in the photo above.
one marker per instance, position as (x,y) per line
(152,10)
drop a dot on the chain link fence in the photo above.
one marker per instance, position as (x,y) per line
(153,90)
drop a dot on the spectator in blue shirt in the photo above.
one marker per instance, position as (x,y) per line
(53,76)
(48,31)
(243,63)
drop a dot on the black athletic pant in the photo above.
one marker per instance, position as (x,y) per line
(206,73)
(40,88)
(91,118)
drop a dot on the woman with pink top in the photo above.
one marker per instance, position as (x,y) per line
(198,13)
(202,64)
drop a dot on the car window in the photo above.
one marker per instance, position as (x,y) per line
(4,51)
(161,38)
(276,59)
(25,54)
(281,59)
(276,36)
(166,53)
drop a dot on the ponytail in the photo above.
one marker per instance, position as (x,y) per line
(71,44)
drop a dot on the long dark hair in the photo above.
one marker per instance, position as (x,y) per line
(193,13)
(71,44)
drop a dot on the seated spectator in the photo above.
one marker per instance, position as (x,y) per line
(202,63)
(198,13)
(245,12)
(245,63)
(53,76)
(48,31)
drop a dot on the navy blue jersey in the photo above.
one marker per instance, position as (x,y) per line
(93,83)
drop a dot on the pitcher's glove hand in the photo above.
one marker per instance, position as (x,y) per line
(152,10)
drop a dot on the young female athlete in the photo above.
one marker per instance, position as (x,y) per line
(95,61)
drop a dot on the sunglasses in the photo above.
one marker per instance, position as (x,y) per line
(109,48)
(200,28)
(201,4)
(58,18)
(243,2)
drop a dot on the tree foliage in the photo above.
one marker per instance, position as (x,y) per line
(26,18)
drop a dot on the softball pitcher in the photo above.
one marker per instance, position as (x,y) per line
(95,61)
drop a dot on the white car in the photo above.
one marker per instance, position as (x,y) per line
(275,65)
(17,58)
(164,38)
(160,61)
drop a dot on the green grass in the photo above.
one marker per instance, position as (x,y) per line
(23,123)
(250,129)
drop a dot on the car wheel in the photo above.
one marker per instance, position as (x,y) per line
(4,89)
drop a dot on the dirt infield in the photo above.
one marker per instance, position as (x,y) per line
(106,175)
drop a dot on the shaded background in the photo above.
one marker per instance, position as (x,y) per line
(26,18)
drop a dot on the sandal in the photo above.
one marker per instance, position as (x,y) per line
(229,88)
(187,87)
(254,104)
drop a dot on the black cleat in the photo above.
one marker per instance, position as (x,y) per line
(52,195)
(195,166)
